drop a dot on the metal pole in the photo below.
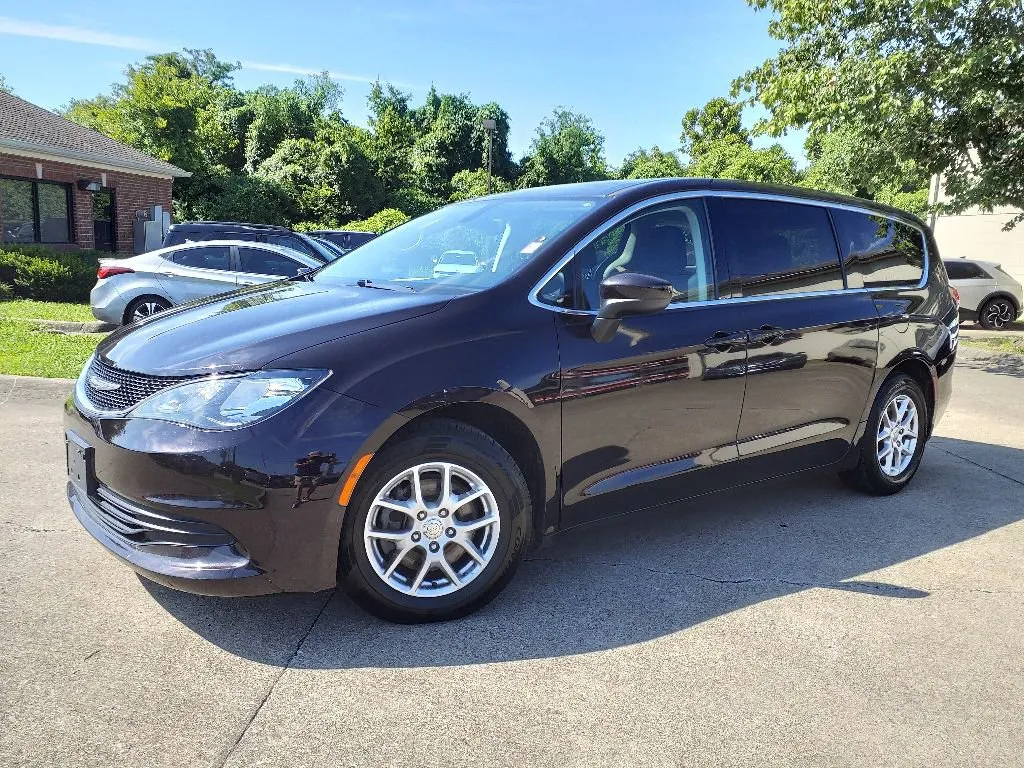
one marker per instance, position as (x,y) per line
(489,126)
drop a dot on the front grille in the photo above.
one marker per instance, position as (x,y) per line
(136,526)
(130,390)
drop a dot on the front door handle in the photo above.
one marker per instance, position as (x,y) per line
(766,334)
(724,341)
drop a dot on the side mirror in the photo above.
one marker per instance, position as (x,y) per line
(626,294)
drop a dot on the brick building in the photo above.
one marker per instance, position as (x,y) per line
(71,187)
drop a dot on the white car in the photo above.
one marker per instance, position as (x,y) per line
(132,289)
(988,295)
(457,263)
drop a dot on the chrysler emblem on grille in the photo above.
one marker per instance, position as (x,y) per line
(103,385)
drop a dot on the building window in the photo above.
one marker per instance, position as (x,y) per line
(34,212)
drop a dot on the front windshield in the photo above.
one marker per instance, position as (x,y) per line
(465,247)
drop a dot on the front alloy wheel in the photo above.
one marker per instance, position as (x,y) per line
(437,524)
(432,529)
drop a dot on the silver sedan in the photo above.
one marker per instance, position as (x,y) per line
(129,290)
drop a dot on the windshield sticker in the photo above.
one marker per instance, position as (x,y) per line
(531,247)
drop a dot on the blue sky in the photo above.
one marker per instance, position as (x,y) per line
(633,67)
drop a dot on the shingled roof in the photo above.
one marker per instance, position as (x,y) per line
(26,128)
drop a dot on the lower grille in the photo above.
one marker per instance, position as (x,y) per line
(115,389)
(133,525)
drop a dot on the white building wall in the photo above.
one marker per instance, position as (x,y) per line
(978,235)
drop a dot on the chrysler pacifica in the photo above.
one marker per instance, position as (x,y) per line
(408,433)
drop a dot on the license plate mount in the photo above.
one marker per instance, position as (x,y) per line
(81,466)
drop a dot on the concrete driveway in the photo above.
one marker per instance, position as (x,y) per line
(791,623)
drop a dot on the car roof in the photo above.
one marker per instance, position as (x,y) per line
(639,189)
(965,260)
(200,225)
(339,232)
(291,253)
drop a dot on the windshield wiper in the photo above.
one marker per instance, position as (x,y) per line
(371,284)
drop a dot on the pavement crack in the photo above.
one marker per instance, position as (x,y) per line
(92,654)
(277,679)
(35,529)
(982,466)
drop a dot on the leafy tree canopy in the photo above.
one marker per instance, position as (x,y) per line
(651,164)
(566,149)
(939,83)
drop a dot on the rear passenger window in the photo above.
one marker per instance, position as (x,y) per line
(775,247)
(879,251)
(965,270)
(204,257)
(260,261)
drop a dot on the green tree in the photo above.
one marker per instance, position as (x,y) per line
(469,184)
(278,114)
(394,134)
(4,85)
(835,167)
(707,127)
(651,164)
(720,147)
(936,82)
(567,148)
(169,107)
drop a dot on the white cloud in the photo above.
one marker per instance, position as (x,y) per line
(9,26)
(307,71)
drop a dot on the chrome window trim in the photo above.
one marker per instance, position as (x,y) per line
(534,295)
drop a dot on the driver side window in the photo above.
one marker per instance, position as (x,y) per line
(669,241)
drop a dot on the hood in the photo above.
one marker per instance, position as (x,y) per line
(245,330)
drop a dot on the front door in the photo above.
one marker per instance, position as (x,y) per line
(650,416)
(103,221)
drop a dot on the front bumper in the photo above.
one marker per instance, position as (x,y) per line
(223,513)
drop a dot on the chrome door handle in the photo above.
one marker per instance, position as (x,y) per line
(724,341)
(766,334)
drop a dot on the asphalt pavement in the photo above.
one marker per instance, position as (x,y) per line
(791,623)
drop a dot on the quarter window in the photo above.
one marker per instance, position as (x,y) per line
(204,257)
(965,270)
(260,261)
(34,212)
(879,251)
(774,247)
(669,241)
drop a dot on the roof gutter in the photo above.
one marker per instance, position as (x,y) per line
(96,159)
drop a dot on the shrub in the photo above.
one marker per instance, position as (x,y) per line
(6,292)
(380,222)
(41,273)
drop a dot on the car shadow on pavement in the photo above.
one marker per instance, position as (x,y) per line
(1000,364)
(636,578)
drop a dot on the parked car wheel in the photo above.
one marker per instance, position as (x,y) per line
(143,307)
(893,441)
(997,313)
(437,526)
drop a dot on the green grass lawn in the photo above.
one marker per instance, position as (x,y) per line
(1010,344)
(45,310)
(26,351)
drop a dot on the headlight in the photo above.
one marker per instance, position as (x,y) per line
(229,402)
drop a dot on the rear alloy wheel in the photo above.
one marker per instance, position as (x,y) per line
(996,314)
(437,525)
(144,307)
(890,450)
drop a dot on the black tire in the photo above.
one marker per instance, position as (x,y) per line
(995,314)
(158,304)
(463,445)
(867,476)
